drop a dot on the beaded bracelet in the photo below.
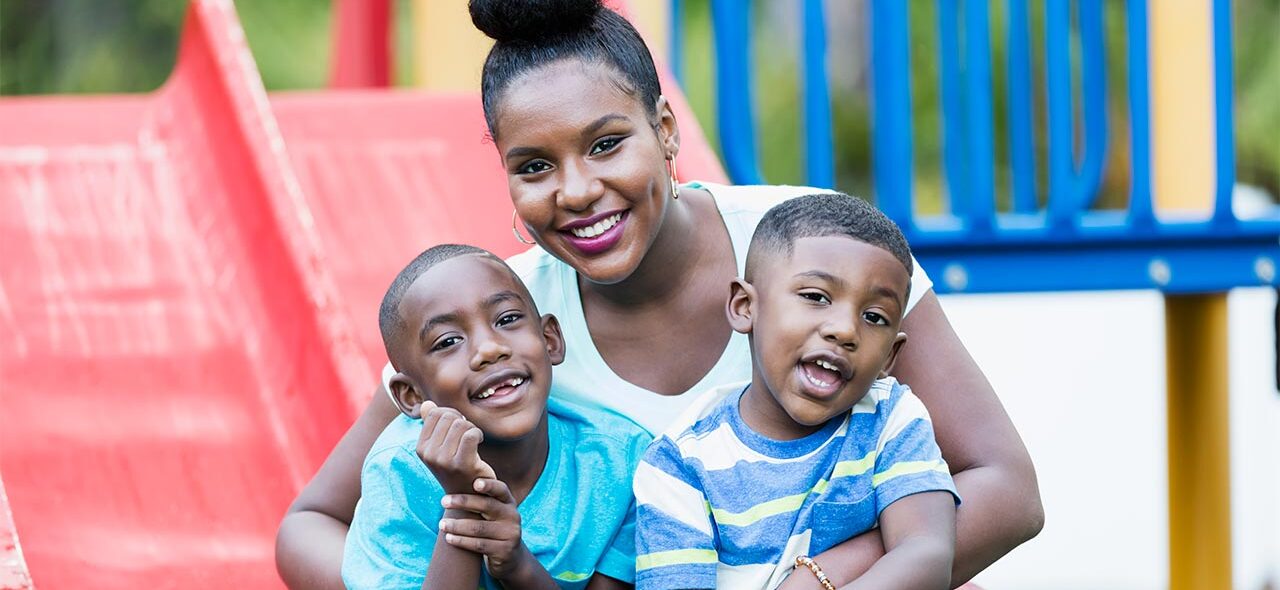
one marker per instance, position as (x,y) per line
(804,561)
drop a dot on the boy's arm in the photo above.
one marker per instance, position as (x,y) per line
(675,542)
(495,533)
(919,533)
(452,567)
(602,582)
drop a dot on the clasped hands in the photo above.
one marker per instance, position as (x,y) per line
(480,511)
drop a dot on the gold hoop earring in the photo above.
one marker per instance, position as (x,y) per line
(517,232)
(675,185)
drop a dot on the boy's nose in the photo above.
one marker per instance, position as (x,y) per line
(489,352)
(842,332)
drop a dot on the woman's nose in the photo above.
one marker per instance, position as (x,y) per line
(578,187)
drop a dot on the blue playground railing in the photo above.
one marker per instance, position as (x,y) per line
(975,248)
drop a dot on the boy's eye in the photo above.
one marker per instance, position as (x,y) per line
(446,342)
(815,297)
(533,167)
(875,318)
(605,145)
(509,318)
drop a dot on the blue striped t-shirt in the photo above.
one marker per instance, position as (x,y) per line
(721,506)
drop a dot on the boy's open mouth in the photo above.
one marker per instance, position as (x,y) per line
(500,388)
(823,373)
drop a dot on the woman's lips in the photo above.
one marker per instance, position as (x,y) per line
(598,237)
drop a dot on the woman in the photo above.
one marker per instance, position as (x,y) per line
(637,269)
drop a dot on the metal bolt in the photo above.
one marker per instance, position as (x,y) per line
(956,277)
(1265,268)
(1159,271)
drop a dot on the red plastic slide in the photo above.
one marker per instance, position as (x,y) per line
(188,294)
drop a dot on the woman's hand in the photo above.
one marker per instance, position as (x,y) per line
(448,445)
(496,535)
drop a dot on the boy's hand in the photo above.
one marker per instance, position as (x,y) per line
(448,446)
(496,534)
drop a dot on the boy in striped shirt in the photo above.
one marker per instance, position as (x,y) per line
(755,481)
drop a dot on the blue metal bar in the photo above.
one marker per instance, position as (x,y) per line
(977,99)
(1141,216)
(1224,116)
(1094,90)
(1061,161)
(675,29)
(953,131)
(732,20)
(1021,121)
(819,146)
(891,104)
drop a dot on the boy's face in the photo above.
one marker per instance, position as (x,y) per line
(824,324)
(472,342)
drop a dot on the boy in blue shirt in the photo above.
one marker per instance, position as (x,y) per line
(484,481)
(756,480)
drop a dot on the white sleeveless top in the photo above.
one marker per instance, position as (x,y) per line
(585,378)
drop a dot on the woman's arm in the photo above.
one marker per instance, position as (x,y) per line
(993,473)
(311,536)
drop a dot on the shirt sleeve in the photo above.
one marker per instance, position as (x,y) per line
(908,460)
(920,285)
(391,538)
(675,543)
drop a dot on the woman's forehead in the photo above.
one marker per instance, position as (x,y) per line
(571,92)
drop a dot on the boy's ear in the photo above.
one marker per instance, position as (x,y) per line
(554,338)
(407,396)
(893,354)
(741,305)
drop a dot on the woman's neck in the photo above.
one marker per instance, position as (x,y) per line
(519,464)
(685,247)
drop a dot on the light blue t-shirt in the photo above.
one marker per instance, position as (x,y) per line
(721,506)
(578,519)
(584,376)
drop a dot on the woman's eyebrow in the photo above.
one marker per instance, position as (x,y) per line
(601,122)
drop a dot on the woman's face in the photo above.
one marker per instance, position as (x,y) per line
(586,166)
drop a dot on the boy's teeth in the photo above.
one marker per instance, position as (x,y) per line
(599,227)
(827,366)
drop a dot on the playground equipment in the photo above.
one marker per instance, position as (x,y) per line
(1064,245)
(191,276)
(188,296)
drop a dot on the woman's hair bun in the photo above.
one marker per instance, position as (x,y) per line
(531,20)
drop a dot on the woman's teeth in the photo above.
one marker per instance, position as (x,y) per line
(600,227)
(514,382)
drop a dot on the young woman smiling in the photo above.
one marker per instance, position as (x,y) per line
(638,268)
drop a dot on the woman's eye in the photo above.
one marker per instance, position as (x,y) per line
(533,167)
(509,318)
(446,342)
(815,297)
(875,318)
(605,145)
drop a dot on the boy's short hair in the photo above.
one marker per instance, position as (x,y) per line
(825,214)
(390,323)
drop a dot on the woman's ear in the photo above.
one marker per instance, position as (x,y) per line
(741,306)
(406,395)
(554,338)
(668,130)
(893,354)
